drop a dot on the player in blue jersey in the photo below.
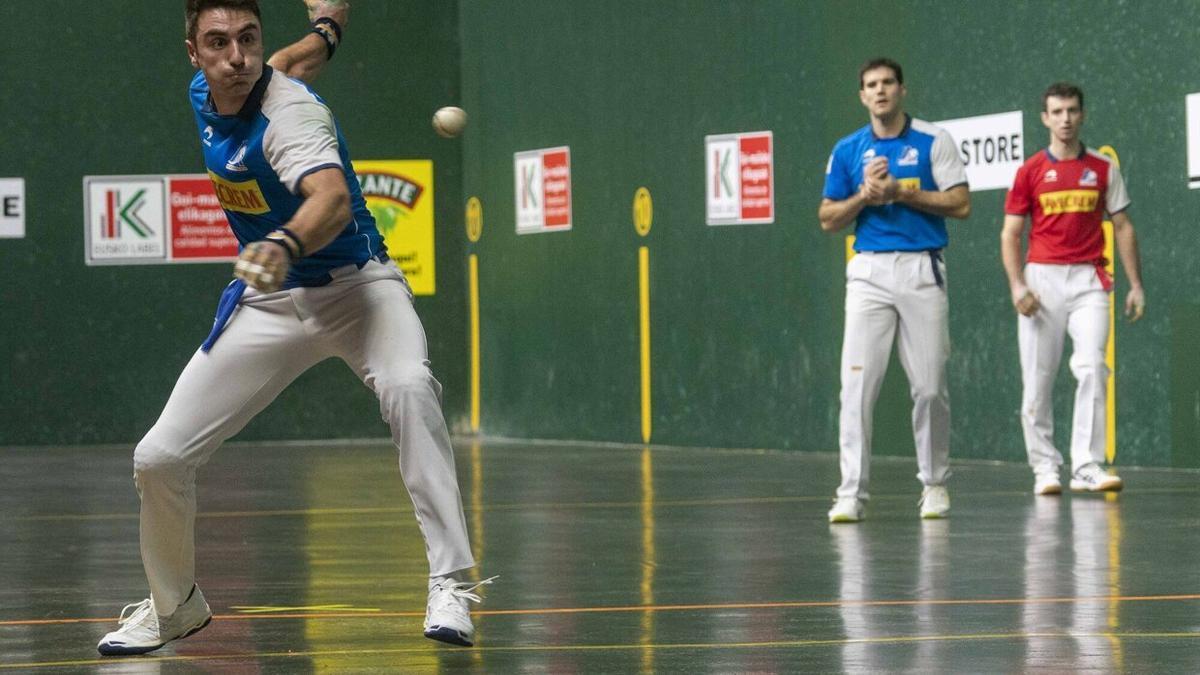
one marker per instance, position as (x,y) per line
(897,179)
(313,281)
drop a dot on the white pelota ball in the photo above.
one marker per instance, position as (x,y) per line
(449,122)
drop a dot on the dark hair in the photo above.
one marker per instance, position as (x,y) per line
(881,62)
(1063,90)
(194,7)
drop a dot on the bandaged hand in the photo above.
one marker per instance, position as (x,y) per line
(263,265)
(338,10)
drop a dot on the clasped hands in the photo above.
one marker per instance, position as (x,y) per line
(879,187)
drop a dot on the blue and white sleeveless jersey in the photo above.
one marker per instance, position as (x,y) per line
(257,158)
(923,156)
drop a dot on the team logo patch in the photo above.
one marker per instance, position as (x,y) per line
(1069,201)
(238,161)
(1051,176)
(909,156)
(1088,178)
(868,155)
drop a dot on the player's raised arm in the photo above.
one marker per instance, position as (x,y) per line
(306,58)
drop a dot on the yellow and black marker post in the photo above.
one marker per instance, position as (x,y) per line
(643,216)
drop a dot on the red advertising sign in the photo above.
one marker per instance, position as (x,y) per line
(556,187)
(543,190)
(755,168)
(739,178)
(199,229)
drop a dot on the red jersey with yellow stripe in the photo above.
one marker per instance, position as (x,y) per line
(1067,200)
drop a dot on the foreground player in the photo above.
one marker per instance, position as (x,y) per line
(314,281)
(897,178)
(1064,288)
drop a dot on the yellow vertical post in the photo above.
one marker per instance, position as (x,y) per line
(649,560)
(474,283)
(1110,350)
(644,320)
(643,216)
(474,231)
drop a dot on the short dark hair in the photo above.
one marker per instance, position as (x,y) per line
(1062,90)
(880,62)
(194,7)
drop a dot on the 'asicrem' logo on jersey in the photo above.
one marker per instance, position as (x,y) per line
(242,197)
(1069,201)
(390,186)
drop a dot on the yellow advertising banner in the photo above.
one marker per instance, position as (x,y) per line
(399,194)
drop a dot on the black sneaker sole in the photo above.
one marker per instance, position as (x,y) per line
(449,636)
(118,650)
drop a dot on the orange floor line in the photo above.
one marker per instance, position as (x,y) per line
(659,608)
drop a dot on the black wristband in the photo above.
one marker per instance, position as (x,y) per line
(295,239)
(330,32)
(282,244)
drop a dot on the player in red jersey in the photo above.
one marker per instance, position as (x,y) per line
(1063,289)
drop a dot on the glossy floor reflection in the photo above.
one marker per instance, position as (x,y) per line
(612,559)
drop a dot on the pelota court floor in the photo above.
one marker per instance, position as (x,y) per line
(611,559)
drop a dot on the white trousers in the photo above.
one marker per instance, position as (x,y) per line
(364,317)
(886,292)
(1074,303)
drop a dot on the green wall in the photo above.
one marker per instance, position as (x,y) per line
(91,353)
(747,320)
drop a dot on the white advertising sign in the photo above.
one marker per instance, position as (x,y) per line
(12,207)
(1193,140)
(126,219)
(991,146)
(739,178)
(542,180)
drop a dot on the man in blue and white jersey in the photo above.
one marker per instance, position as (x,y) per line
(313,281)
(897,179)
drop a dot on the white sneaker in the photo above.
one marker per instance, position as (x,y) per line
(447,616)
(1091,478)
(846,510)
(935,502)
(143,630)
(1046,483)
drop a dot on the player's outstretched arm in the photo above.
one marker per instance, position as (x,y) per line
(1127,247)
(952,203)
(835,215)
(1024,300)
(306,58)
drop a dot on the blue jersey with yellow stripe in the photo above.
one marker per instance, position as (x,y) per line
(258,157)
(923,156)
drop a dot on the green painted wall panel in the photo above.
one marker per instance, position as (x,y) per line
(747,319)
(91,353)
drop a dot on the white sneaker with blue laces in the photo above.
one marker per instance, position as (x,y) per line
(447,615)
(1091,478)
(143,630)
